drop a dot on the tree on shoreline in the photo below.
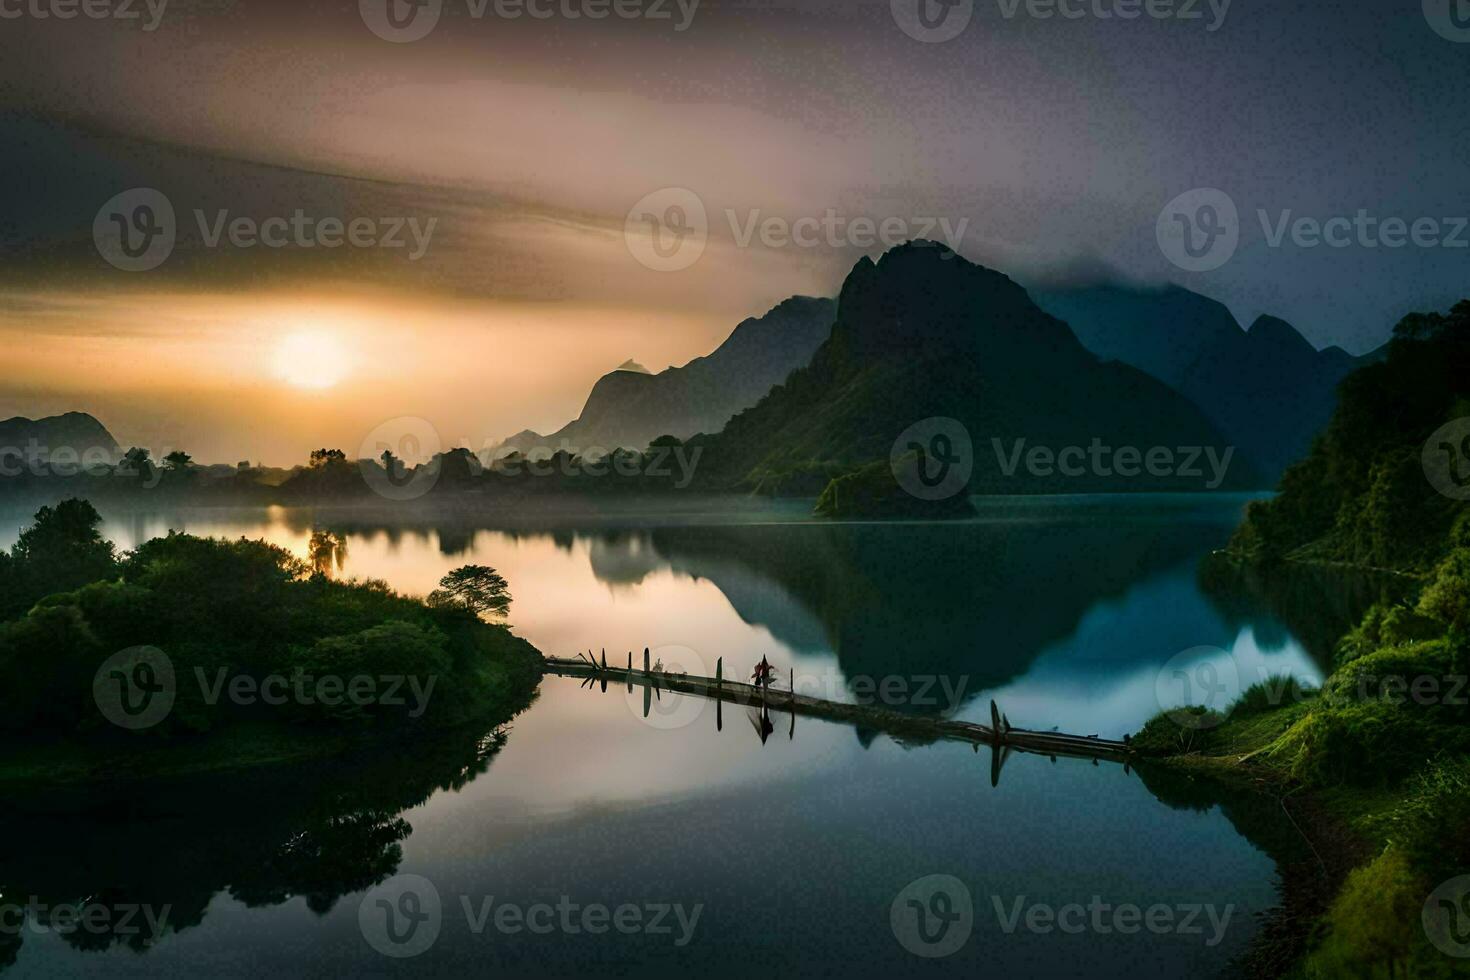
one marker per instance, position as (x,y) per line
(478,589)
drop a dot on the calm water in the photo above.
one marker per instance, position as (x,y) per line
(1073,613)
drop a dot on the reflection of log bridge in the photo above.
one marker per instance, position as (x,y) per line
(999,734)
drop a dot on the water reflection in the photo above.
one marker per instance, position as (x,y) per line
(1061,611)
(150,858)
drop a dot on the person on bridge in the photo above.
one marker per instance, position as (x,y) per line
(764,673)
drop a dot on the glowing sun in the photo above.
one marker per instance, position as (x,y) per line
(310,359)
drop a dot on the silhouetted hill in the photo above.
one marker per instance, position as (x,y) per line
(75,430)
(1267,389)
(924,333)
(1384,485)
(630,407)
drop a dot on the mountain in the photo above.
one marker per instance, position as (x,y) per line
(77,431)
(1266,388)
(923,333)
(1384,486)
(629,407)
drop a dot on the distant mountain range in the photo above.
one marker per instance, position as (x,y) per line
(629,407)
(923,333)
(76,431)
(1267,389)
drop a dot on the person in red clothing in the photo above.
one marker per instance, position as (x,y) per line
(764,673)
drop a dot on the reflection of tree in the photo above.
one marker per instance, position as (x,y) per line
(1309,876)
(1318,604)
(327,551)
(322,830)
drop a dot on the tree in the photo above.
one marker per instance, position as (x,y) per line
(478,589)
(177,461)
(137,461)
(666,440)
(326,457)
(63,550)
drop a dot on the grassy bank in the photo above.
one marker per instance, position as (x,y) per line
(1373,767)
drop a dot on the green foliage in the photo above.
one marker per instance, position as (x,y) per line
(1268,695)
(1361,494)
(62,550)
(1373,926)
(227,611)
(476,589)
(391,650)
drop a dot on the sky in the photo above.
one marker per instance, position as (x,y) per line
(502,172)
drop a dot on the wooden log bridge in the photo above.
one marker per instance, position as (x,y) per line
(999,734)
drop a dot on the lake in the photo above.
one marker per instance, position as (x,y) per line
(586,839)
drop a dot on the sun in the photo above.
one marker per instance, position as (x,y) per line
(310,359)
